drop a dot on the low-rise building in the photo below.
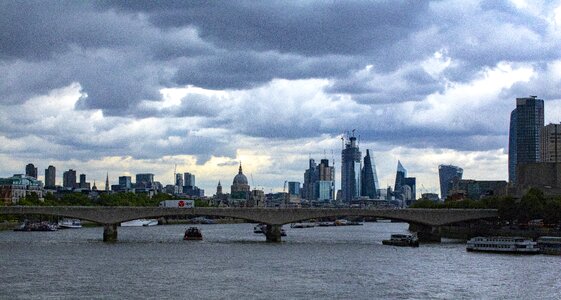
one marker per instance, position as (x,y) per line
(12,189)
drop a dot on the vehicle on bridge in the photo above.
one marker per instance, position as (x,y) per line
(178,203)
(193,234)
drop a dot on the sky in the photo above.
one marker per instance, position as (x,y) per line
(126,87)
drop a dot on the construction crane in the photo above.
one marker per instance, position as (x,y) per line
(284,187)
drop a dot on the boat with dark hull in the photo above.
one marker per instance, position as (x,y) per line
(36,226)
(193,234)
(402,240)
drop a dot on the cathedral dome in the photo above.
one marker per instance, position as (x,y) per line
(240,178)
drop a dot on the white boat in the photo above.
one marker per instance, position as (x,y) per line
(140,222)
(69,223)
(549,244)
(303,225)
(502,244)
(259,228)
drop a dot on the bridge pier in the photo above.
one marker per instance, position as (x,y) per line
(109,232)
(273,233)
(426,233)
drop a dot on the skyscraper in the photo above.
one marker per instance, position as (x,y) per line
(179,182)
(319,181)
(125,182)
(525,132)
(69,179)
(405,188)
(311,176)
(189,180)
(350,170)
(50,177)
(551,143)
(31,171)
(447,174)
(512,148)
(294,188)
(144,181)
(369,187)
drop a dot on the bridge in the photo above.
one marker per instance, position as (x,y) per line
(110,217)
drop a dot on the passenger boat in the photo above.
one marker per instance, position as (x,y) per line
(501,244)
(326,224)
(36,226)
(69,223)
(193,234)
(403,240)
(549,244)
(140,222)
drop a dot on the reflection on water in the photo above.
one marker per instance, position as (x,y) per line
(233,262)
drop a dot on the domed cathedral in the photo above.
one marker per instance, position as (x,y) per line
(240,187)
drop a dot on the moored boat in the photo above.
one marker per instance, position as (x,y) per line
(36,226)
(70,223)
(549,245)
(502,244)
(303,225)
(259,228)
(193,234)
(402,240)
(140,222)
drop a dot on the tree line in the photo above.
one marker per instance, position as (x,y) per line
(531,206)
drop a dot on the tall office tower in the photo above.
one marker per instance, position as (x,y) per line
(325,186)
(350,170)
(179,182)
(551,143)
(144,180)
(446,174)
(69,179)
(528,122)
(405,188)
(311,176)
(400,175)
(125,182)
(50,177)
(512,148)
(294,188)
(369,188)
(82,183)
(31,171)
(189,180)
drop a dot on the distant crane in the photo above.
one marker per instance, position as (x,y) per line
(284,187)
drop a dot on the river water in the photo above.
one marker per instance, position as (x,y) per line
(234,263)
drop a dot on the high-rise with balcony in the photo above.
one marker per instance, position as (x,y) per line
(447,174)
(527,121)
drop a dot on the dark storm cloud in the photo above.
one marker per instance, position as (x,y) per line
(122,53)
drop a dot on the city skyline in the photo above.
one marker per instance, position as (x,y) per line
(128,89)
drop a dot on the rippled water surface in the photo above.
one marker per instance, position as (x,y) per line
(234,263)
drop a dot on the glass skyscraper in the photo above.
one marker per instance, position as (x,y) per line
(446,174)
(350,171)
(526,123)
(369,186)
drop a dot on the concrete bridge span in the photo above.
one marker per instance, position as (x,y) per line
(275,217)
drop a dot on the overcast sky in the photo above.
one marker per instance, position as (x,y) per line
(141,86)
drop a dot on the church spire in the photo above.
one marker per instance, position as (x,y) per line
(107,182)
